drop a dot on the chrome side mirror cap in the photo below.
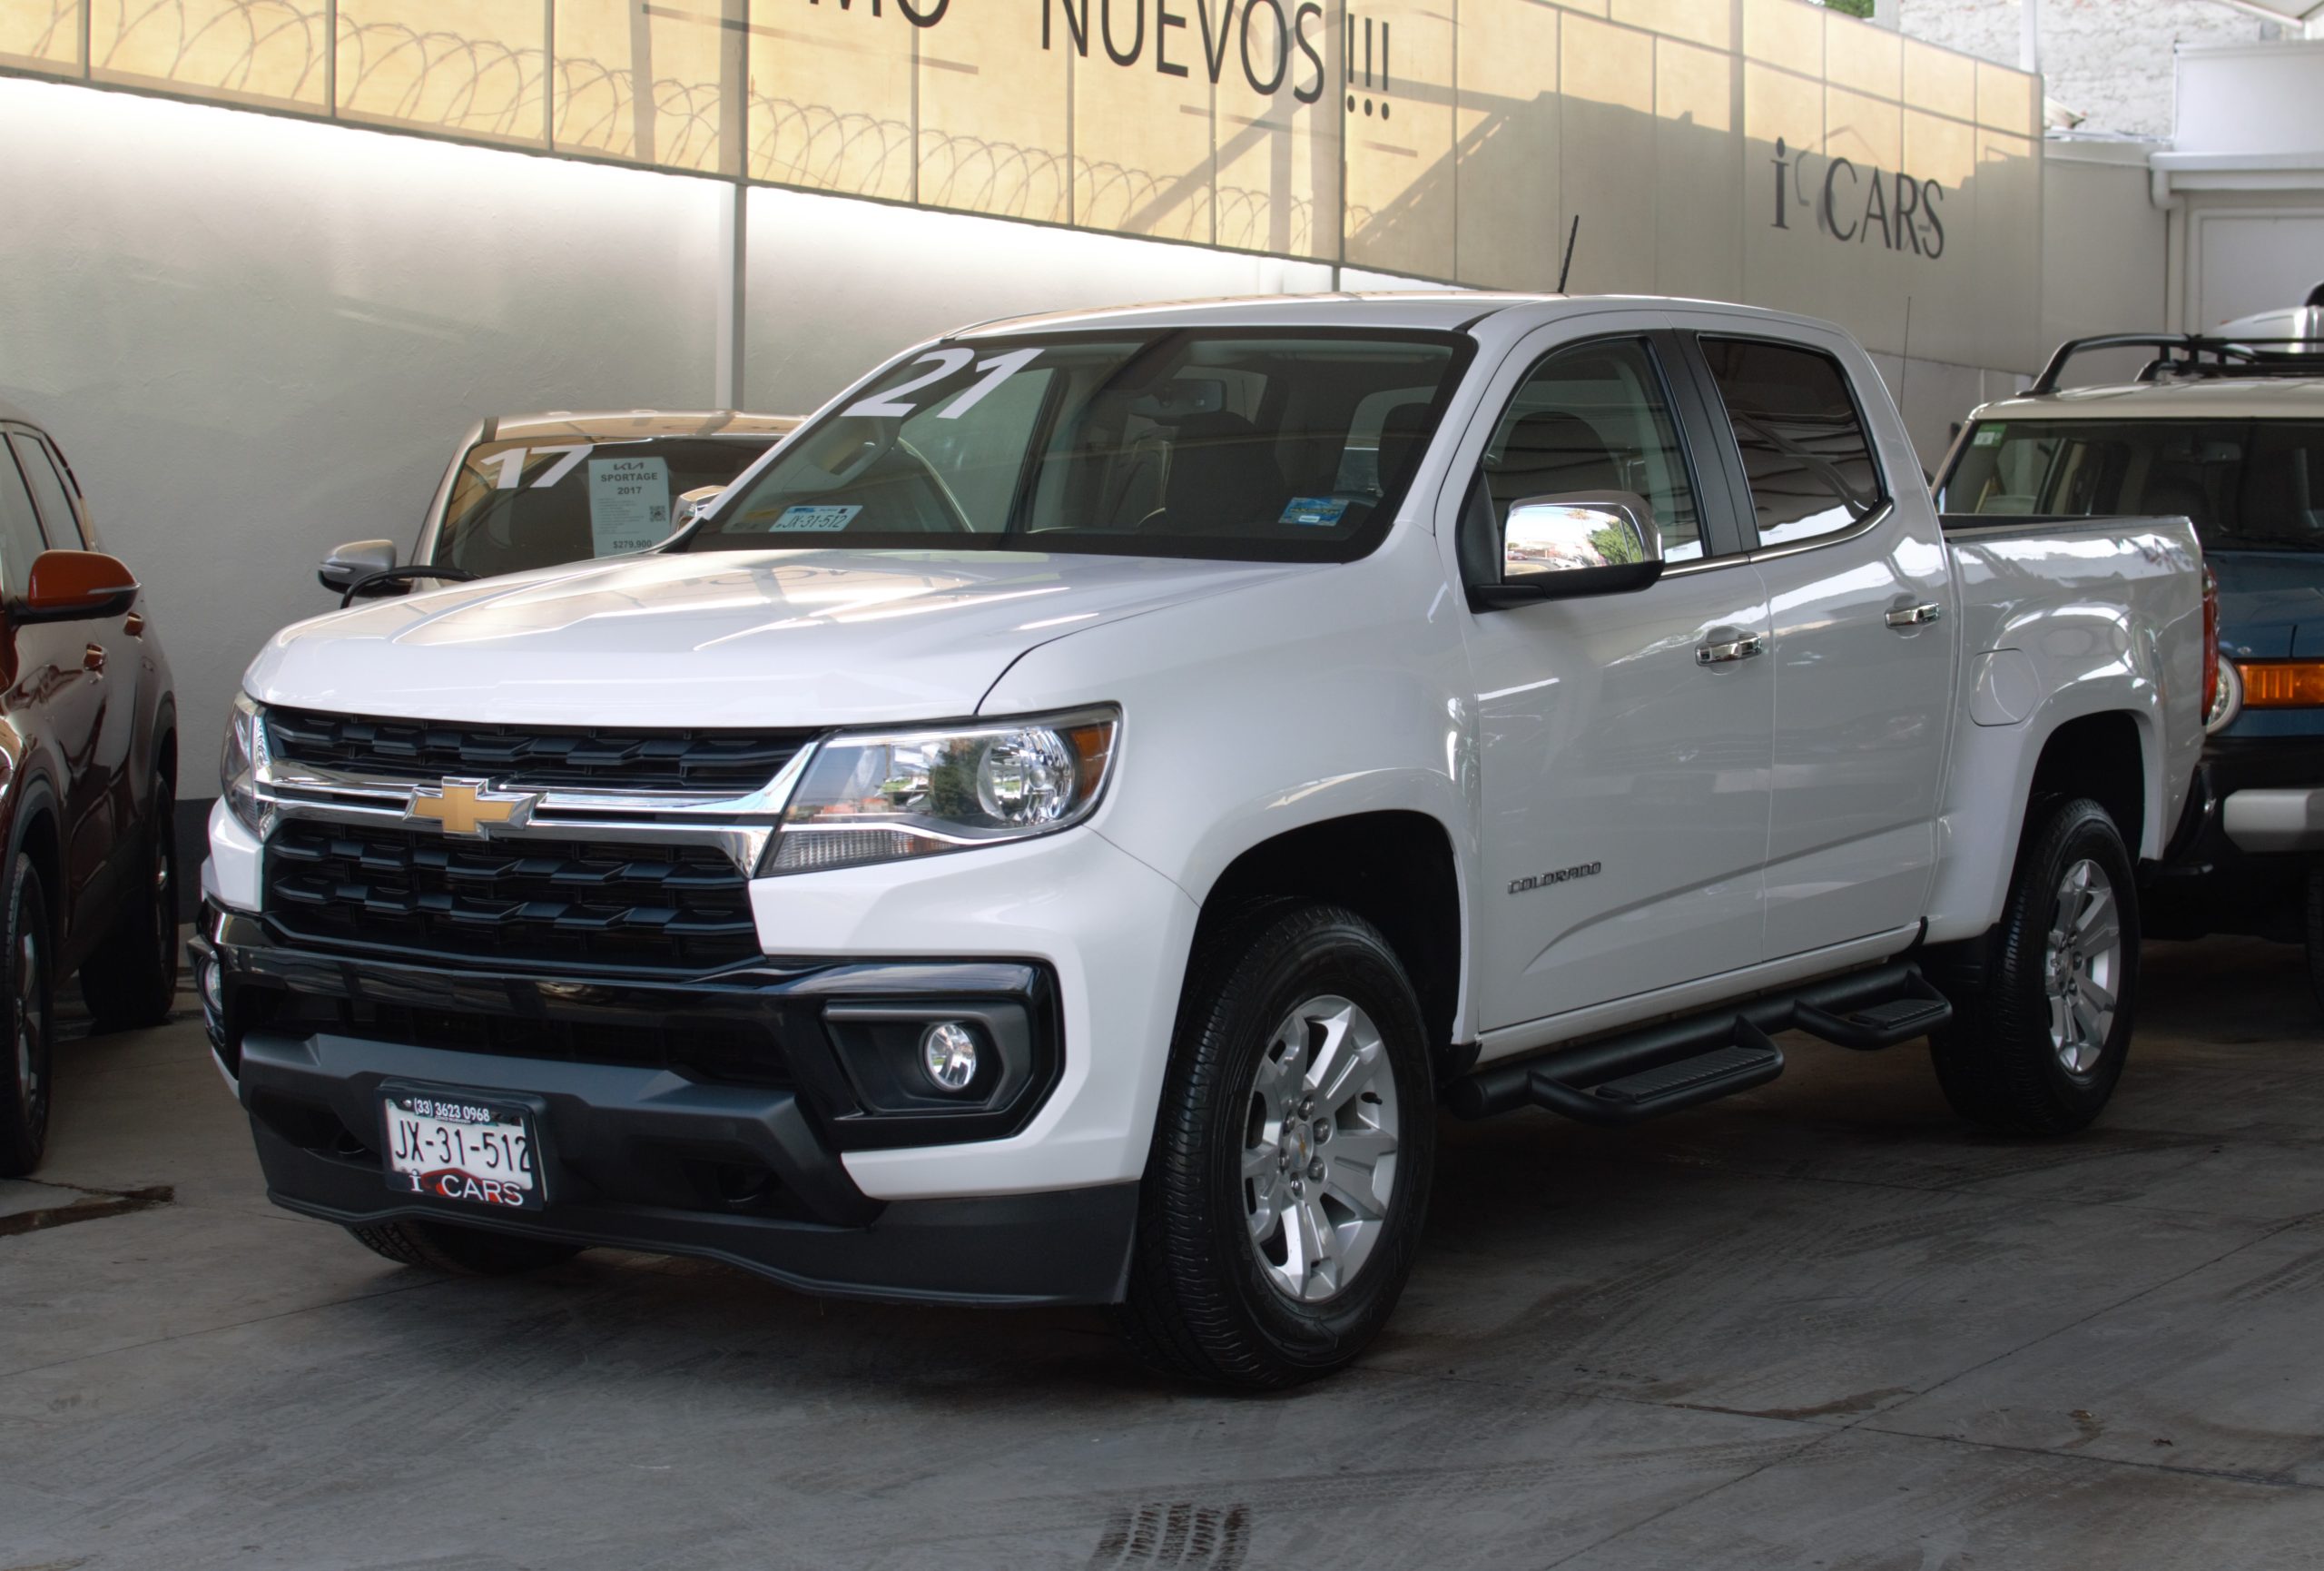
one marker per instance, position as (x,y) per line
(1581,543)
(358,559)
(691,505)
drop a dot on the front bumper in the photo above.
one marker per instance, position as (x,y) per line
(722,1131)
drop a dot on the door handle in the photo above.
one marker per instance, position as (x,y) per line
(1726,645)
(1904,619)
(93,658)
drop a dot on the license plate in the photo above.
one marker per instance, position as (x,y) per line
(453,1146)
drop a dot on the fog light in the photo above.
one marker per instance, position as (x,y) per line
(948,1054)
(214,988)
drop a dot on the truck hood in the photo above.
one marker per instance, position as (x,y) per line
(2270,603)
(787,638)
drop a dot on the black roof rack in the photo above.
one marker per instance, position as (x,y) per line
(2195,354)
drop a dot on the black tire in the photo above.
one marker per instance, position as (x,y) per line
(1998,1061)
(1201,1303)
(27,1058)
(2316,934)
(130,981)
(453,1250)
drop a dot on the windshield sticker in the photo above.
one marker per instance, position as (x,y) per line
(890,405)
(1988,436)
(629,504)
(511,462)
(803,517)
(1313,510)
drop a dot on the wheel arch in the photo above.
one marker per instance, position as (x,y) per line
(2107,753)
(1396,868)
(36,831)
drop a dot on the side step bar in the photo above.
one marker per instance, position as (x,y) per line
(1681,1064)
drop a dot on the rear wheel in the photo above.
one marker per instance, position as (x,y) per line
(131,979)
(1284,1200)
(2042,1013)
(457,1251)
(25,981)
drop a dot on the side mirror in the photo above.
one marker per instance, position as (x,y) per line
(68,586)
(1583,543)
(691,505)
(355,560)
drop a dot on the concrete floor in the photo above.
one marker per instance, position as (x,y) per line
(1817,1326)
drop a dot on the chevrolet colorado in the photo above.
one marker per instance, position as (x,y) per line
(1059,827)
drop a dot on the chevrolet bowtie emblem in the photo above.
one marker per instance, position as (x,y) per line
(469,806)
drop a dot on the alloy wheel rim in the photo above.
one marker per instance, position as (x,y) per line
(165,913)
(2081,965)
(1319,1148)
(31,1028)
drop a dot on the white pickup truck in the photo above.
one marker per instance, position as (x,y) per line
(1064,822)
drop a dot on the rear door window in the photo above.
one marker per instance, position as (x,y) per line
(1806,451)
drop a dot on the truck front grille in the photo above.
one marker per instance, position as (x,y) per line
(554,902)
(730,763)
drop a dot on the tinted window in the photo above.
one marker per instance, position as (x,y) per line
(56,509)
(2255,486)
(1804,449)
(20,537)
(1274,446)
(1596,418)
(538,502)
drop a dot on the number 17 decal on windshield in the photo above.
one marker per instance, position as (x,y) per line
(893,405)
(512,462)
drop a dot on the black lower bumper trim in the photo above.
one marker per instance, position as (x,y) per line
(640,1159)
(642,1141)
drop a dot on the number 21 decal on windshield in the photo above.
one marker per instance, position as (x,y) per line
(893,405)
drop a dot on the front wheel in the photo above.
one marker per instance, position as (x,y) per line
(28,989)
(131,979)
(1289,1179)
(2042,1014)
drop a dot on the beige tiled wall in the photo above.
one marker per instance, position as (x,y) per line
(1449,139)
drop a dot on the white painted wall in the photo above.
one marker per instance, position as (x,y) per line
(2266,98)
(2105,250)
(256,337)
(835,284)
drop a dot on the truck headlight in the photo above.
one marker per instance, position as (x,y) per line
(886,795)
(239,761)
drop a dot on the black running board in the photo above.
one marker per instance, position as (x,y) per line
(1685,1062)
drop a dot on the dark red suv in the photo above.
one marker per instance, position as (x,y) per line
(88,779)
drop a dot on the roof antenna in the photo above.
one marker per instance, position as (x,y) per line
(1573,233)
(2316,297)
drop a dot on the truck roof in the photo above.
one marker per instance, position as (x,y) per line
(1436,309)
(2207,397)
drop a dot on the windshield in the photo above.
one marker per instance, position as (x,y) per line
(540,502)
(2248,485)
(1270,446)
